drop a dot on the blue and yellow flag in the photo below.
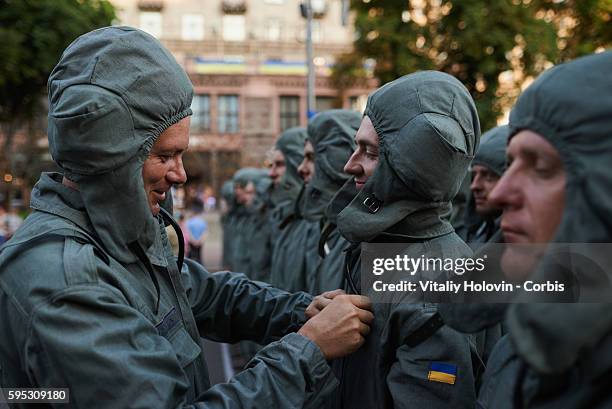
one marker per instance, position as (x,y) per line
(441,372)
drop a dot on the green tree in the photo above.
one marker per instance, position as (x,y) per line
(348,72)
(34,33)
(583,26)
(474,40)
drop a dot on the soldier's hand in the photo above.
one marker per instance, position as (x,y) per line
(341,327)
(321,301)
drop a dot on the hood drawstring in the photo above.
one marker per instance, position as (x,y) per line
(348,262)
(140,253)
(325,233)
(179,234)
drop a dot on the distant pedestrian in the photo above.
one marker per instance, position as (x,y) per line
(211,203)
(9,223)
(3,232)
(197,229)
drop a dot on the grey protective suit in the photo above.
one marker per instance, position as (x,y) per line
(261,236)
(91,297)
(477,231)
(252,243)
(227,193)
(253,253)
(291,145)
(560,355)
(297,236)
(245,225)
(284,195)
(236,225)
(428,132)
(492,155)
(332,135)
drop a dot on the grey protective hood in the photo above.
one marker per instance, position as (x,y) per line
(244,176)
(428,132)
(261,182)
(460,202)
(263,190)
(291,144)
(570,105)
(332,135)
(227,192)
(492,154)
(492,150)
(111,95)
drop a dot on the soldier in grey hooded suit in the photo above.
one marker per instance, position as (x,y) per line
(417,138)
(92,297)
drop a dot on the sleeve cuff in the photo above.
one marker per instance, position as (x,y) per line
(299,312)
(320,376)
(307,348)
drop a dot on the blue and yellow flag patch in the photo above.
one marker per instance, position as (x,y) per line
(441,372)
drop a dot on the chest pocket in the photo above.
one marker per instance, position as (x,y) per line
(171,328)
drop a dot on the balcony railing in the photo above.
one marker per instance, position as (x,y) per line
(150,5)
(234,6)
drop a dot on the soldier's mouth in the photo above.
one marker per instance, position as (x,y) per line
(160,195)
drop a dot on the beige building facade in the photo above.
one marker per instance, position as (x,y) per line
(246,59)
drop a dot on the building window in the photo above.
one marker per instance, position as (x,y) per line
(200,120)
(227,112)
(358,102)
(289,111)
(234,6)
(192,27)
(234,28)
(324,103)
(151,22)
(273,29)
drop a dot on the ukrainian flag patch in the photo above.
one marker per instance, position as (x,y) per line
(442,372)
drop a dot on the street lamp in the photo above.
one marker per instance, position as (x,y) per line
(309,9)
(307,13)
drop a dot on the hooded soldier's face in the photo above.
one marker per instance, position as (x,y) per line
(249,194)
(277,170)
(532,195)
(164,165)
(239,193)
(363,162)
(483,182)
(306,168)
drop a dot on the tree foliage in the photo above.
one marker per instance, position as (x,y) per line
(584,26)
(34,33)
(477,40)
